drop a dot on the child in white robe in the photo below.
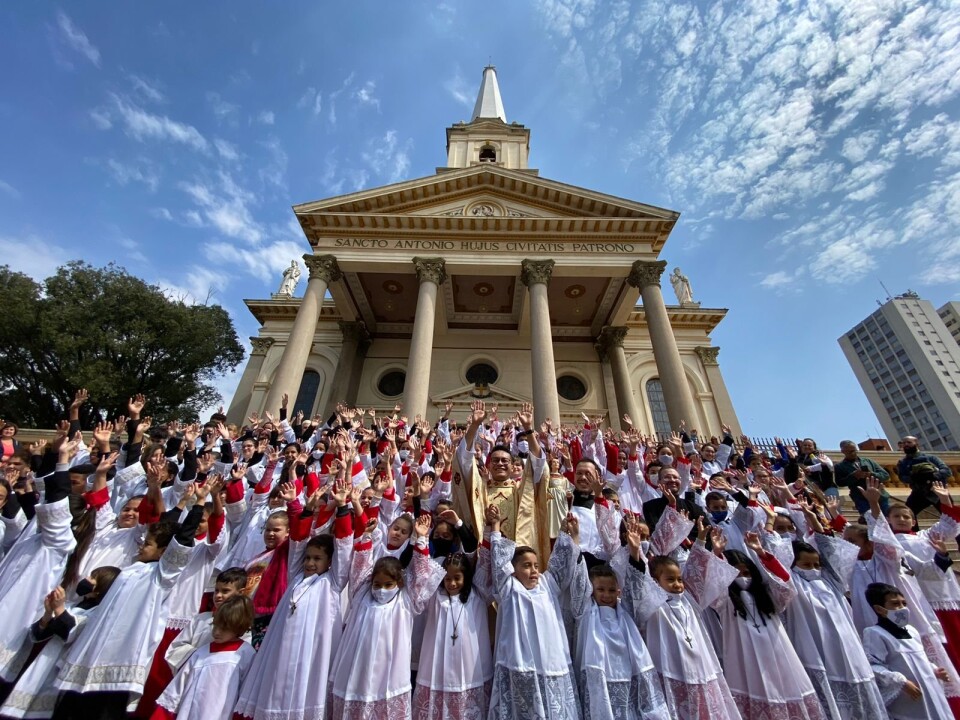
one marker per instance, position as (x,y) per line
(371,672)
(206,687)
(761,667)
(533,675)
(618,680)
(290,677)
(668,609)
(456,663)
(912,685)
(106,668)
(34,695)
(821,628)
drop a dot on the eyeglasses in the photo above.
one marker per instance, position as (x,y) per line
(500,461)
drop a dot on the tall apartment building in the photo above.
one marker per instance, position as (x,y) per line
(908,363)
(950,314)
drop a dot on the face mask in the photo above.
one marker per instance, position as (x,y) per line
(808,575)
(384,595)
(899,617)
(404,454)
(644,547)
(441,547)
(791,536)
(910,450)
(743,582)
(85,587)
(523,446)
(665,460)
(719,515)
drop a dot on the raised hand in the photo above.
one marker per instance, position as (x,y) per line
(238,471)
(422,527)
(937,542)
(102,434)
(288,492)
(190,434)
(752,541)
(79,399)
(493,517)
(703,530)
(526,416)
(135,406)
(426,485)
(719,541)
(449,516)
(942,493)
(628,420)
(478,412)
(284,400)
(107,461)
(341,491)
(669,496)
(572,527)
(634,534)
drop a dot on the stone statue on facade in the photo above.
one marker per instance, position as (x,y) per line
(291,276)
(681,287)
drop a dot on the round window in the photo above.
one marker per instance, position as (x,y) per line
(391,383)
(570,387)
(482,374)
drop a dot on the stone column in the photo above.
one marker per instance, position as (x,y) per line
(676,390)
(431,273)
(323,271)
(721,398)
(240,405)
(535,274)
(610,347)
(354,335)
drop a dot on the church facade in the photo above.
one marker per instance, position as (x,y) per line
(487,281)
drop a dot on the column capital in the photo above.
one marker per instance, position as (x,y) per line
(708,355)
(646,272)
(533,272)
(354,330)
(610,337)
(261,345)
(430,269)
(324,267)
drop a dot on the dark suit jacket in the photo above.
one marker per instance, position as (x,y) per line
(653,510)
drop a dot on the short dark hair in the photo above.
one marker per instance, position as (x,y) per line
(500,448)
(877,593)
(389,566)
(799,546)
(593,462)
(162,532)
(235,615)
(520,552)
(322,542)
(603,570)
(713,495)
(660,563)
(235,576)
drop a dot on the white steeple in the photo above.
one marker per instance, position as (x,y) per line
(489,104)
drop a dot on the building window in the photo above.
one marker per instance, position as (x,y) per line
(658,407)
(391,383)
(482,373)
(307,394)
(488,153)
(571,388)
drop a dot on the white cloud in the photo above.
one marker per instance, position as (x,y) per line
(142,171)
(133,250)
(145,89)
(101,118)
(332,113)
(777,280)
(459,90)
(366,95)
(227,150)
(275,171)
(196,285)
(266,117)
(388,158)
(141,124)
(9,190)
(34,256)
(313,99)
(221,108)
(76,39)
(224,206)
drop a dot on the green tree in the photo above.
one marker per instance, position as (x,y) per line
(112,333)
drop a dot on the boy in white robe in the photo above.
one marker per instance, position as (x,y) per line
(912,685)
(206,687)
(618,680)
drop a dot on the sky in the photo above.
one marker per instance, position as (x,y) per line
(812,148)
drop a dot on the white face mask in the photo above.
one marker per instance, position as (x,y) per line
(791,536)
(666,460)
(899,617)
(743,582)
(645,547)
(384,595)
(523,446)
(404,454)
(808,575)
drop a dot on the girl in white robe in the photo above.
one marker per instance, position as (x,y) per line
(456,664)
(290,677)
(107,667)
(821,628)
(762,669)
(667,607)
(206,687)
(34,695)
(618,680)
(533,676)
(912,685)
(371,672)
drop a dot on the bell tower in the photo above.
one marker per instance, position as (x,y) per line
(488,138)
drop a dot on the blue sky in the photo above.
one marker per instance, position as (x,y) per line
(813,148)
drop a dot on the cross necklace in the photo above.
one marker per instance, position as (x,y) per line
(681,617)
(456,622)
(295,600)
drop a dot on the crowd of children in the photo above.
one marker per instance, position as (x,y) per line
(372,567)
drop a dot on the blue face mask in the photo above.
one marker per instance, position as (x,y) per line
(719,515)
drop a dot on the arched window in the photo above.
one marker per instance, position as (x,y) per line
(488,153)
(482,373)
(391,383)
(307,395)
(658,407)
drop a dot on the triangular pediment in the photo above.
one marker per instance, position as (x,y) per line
(490,394)
(506,192)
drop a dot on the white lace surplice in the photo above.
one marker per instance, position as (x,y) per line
(532,679)
(206,687)
(290,676)
(371,671)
